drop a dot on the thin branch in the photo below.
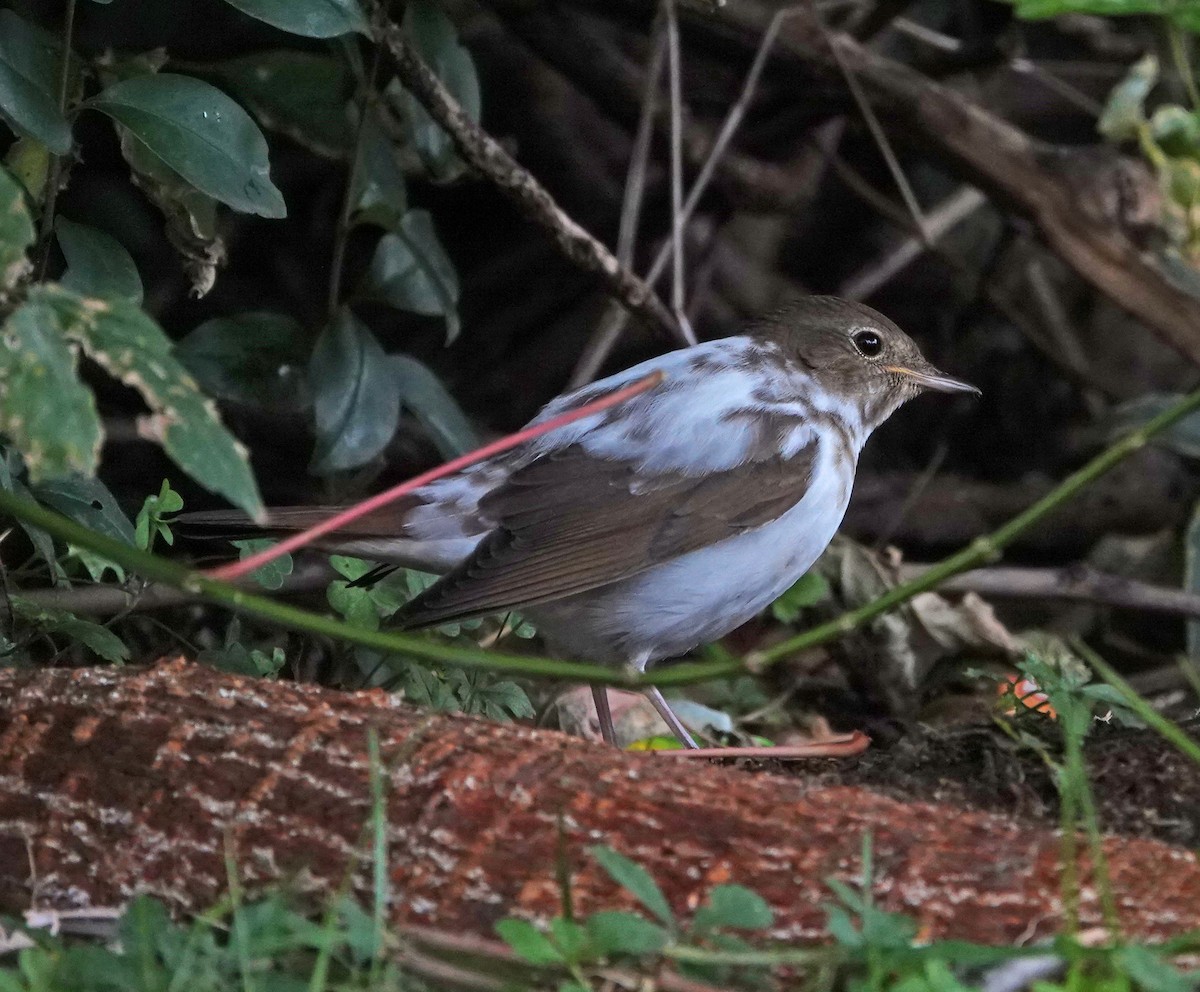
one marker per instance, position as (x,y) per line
(485,154)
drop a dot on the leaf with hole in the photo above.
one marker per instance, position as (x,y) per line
(16,233)
(97,263)
(355,403)
(257,358)
(46,411)
(130,346)
(636,880)
(29,69)
(310,18)
(411,271)
(201,134)
(87,501)
(300,94)
(422,393)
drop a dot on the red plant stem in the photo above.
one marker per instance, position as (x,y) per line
(235,570)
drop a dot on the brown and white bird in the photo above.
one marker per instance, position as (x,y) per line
(638,533)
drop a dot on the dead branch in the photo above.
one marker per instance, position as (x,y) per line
(485,154)
(1077,582)
(116,781)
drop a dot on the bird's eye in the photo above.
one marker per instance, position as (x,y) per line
(868,343)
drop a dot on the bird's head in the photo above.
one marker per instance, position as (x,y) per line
(856,354)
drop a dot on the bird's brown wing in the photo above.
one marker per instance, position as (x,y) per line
(570,522)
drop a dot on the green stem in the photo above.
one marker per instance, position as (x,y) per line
(419,648)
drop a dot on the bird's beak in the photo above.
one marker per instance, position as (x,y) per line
(931,378)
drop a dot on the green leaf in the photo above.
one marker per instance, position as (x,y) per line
(528,942)
(310,18)
(257,358)
(100,640)
(636,880)
(29,67)
(810,589)
(355,403)
(433,35)
(571,938)
(151,520)
(1152,971)
(272,574)
(1176,130)
(1125,113)
(200,133)
(617,932)
(423,394)
(45,410)
(130,346)
(97,263)
(380,194)
(87,501)
(16,232)
(735,906)
(300,94)
(191,216)
(43,543)
(411,271)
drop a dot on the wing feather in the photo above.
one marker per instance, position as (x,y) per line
(570,521)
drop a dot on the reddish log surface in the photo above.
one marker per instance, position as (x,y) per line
(114,782)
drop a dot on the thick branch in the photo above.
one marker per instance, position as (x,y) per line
(483,152)
(114,782)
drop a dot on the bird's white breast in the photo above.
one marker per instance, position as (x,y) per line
(698,597)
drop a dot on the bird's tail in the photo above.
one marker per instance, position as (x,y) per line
(431,529)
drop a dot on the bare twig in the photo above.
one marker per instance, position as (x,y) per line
(674,71)
(1078,583)
(957,207)
(482,151)
(598,349)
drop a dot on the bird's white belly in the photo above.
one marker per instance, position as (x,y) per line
(698,597)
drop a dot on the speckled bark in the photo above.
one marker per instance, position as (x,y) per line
(114,782)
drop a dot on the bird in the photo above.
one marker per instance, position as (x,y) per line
(638,533)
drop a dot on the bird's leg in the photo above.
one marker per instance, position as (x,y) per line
(668,715)
(604,715)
